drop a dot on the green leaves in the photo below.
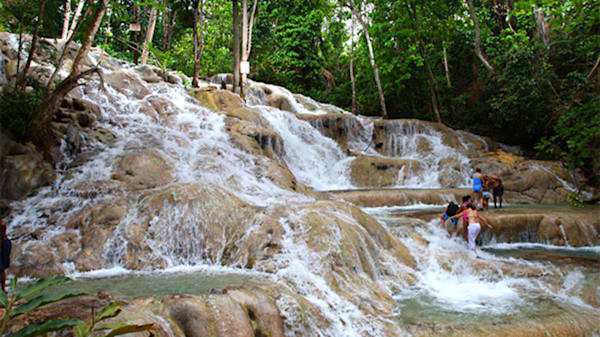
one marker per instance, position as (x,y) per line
(45,327)
(81,330)
(3,299)
(45,299)
(110,310)
(39,286)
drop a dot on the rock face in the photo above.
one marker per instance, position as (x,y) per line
(218,100)
(401,197)
(371,171)
(22,169)
(142,170)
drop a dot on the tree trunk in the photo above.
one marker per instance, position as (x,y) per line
(446,68)
(55,98)
(76,17)
(171,30)
(165,25)
(432,84)
(108,16)
(34,39)
(89,38)
(246,39)
(201,51)
(195,34)
(134,36)
(384,114)
(59,64)
(594,68)
(354,103)
(149,34)
(478,37)
(236,47)
(542,30)
(65,29)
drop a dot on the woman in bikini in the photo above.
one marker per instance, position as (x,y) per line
(474,227)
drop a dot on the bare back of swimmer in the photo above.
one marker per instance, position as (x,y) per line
(474,227)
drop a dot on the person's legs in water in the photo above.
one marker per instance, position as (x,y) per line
(474,229)
(455,232)
(478,197)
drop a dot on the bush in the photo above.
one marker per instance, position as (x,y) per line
(18,110)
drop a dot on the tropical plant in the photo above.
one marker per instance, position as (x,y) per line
(29,299)
(14,308)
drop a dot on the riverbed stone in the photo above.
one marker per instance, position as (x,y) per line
(24,173)
(218,100)
(128,83)
(372,171)
(142,170)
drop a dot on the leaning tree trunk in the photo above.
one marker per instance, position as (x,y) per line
(149,34)
(478,37)
(34,39)
(236,47)
(65,29)
(354,103)
(384,114)
(89,38)
(76,18)
(53,100)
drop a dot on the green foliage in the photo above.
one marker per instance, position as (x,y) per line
(575,199)
(19,109)
(28,304)
(12,309)
(576,138)
(112,309)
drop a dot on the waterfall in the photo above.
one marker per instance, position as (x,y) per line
(209,203)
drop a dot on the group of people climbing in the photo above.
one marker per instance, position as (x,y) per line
(469,211)
(482,184)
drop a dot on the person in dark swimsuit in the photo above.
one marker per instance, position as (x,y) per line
(498,189)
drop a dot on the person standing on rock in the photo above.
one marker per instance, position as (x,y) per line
(474,227)
(478,187)
(5,247)
(498,189)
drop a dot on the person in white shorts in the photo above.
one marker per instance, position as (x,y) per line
(474,227)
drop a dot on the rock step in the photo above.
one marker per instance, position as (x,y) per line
(399,197)
(547,224)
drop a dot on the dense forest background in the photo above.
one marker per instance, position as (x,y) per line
(523,72)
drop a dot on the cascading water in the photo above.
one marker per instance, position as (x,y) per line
(218,207)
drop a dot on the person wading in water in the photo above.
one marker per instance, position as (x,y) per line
(478,187)
(498,189)
(474,227)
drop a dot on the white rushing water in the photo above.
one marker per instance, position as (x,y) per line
(206,165)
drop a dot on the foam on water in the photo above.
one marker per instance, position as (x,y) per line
(315,160)
(454,281)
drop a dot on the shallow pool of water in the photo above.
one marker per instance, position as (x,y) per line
(132,285)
